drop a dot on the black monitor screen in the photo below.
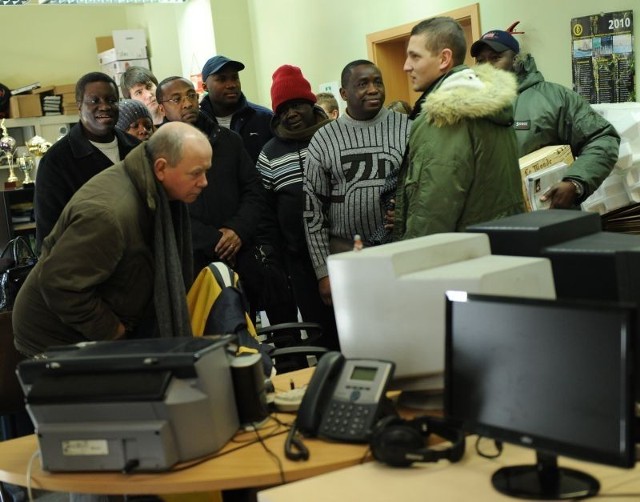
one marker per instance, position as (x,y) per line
(555,376)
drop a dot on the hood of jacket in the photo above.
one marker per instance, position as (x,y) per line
(280,132)
(483,92)
(527,72)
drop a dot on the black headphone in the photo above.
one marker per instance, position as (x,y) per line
(399,442)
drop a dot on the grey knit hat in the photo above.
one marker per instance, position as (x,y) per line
(130,111)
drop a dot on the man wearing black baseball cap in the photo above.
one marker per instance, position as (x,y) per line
(496,47)
(228,106)
(550,114)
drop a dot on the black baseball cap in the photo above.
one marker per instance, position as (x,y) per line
(216,63)
(497,40)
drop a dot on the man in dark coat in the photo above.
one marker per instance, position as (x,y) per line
(281,164)
(91,146)
(224,220)
(227,106)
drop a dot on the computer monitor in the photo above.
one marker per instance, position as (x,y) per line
(554,376)
(389,300)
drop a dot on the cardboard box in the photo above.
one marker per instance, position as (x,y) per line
(116,68)
(542,159)
(44,91)
(65,89)
(25,105)
(69,98)
(122,45)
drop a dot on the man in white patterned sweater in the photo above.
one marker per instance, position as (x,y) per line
(351,169)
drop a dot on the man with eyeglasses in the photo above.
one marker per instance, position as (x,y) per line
(227,105)
(224,219)
(92,145)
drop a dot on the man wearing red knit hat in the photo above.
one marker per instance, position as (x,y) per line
(280,163)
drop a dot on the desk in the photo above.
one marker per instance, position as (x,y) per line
(470,479)
(246,468)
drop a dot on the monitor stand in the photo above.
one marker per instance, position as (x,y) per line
(544,480)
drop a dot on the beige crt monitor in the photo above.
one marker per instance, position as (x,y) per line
(389,300)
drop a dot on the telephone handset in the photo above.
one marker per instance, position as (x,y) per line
(344,398)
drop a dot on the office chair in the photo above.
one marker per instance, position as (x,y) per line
(217,305)
(292,343)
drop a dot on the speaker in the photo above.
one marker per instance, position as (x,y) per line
(400,443)
(249,389)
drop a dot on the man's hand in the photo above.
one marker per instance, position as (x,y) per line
(120,332)
(563,195)
(228,245)
(390,217)
(324,287)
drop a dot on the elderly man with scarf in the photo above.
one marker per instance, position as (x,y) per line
(118,261)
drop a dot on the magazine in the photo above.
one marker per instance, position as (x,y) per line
(540,182)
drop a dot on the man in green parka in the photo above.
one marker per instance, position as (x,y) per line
(546,114)
(462,162)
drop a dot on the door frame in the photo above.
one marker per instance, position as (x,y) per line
(387,49)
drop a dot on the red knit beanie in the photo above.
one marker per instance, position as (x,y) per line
(288,84)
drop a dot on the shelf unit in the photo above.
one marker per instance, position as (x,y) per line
(46,127)
(14,204)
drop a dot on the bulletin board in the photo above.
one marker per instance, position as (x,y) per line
(602,57)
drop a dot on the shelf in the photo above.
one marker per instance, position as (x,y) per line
(48,120)
(18,227)
(48,127)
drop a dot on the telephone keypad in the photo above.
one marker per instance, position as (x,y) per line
(348,421)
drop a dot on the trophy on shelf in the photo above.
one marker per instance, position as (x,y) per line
(8,147)
(26,163)
(37,147)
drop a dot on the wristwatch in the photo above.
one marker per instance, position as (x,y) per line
(578,186)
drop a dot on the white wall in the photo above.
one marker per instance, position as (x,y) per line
(321,37)
(56,43)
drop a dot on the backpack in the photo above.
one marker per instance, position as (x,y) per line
(217,306)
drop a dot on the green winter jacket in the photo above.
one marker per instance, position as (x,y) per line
(462,162)
(550,114)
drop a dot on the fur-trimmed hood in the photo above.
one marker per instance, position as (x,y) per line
(466,93)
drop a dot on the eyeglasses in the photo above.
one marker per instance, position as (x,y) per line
(176,100)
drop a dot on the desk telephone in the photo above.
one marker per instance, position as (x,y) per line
(344,398)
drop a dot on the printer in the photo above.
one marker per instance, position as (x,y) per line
(130,405)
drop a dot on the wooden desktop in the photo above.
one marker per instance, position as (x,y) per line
(469,479)
(248,467)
